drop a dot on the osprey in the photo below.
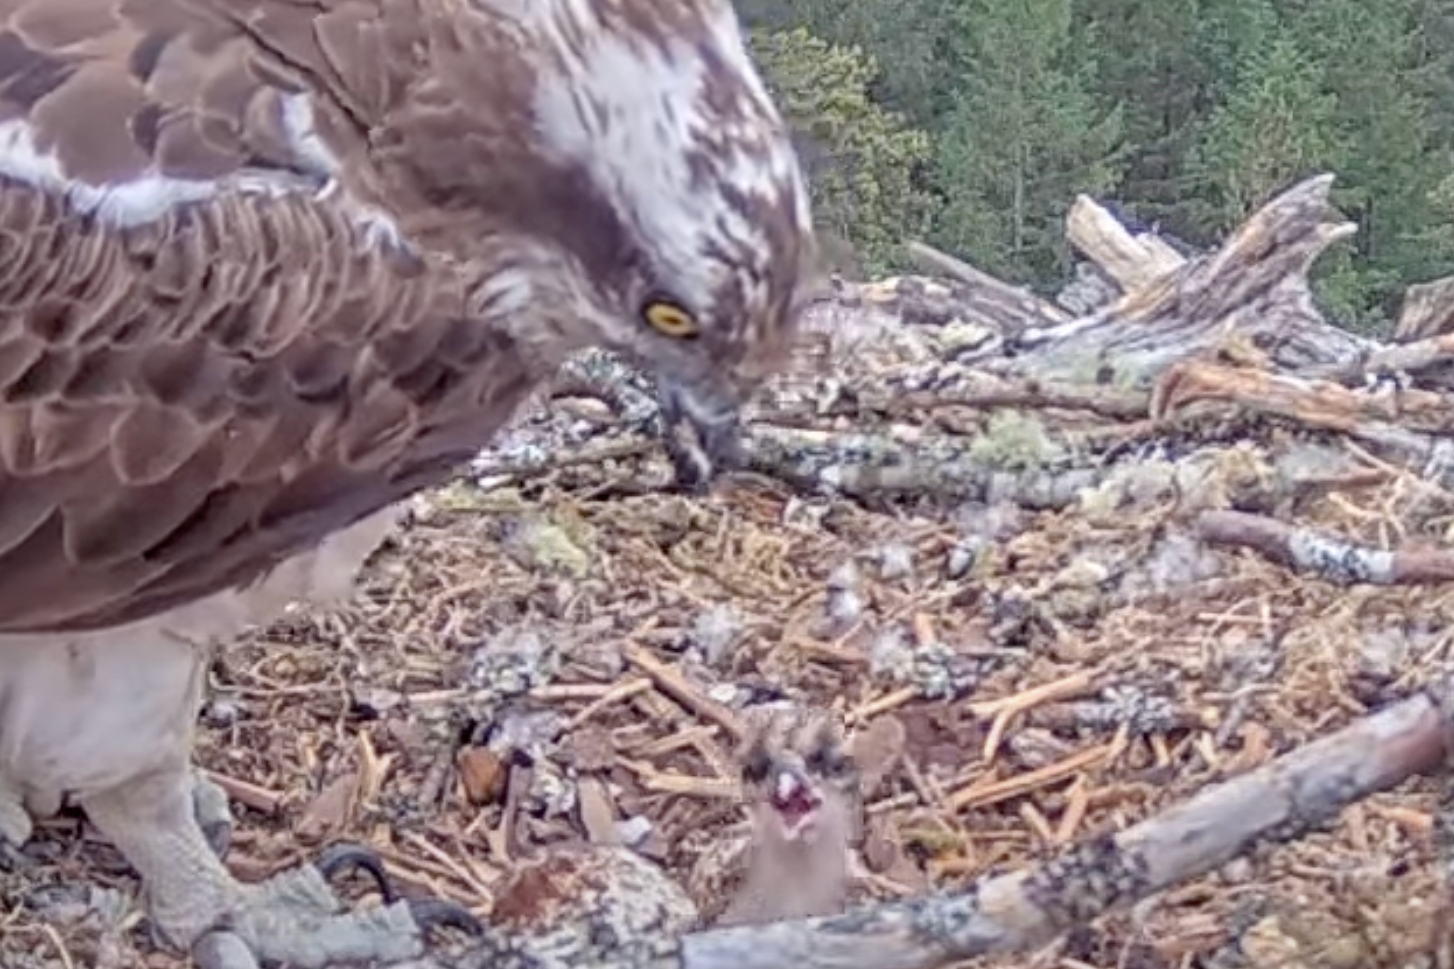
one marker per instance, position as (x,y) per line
(268,267)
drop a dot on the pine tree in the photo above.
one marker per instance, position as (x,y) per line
(1275,126)
(1023,136)
(1149,66)
(862,162)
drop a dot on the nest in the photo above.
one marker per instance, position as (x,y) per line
(1119,614)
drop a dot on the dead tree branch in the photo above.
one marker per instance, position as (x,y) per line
(1288,797)
(1329,558)
(1428,311)
(1133,261)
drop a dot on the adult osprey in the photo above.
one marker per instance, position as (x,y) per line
(268,267)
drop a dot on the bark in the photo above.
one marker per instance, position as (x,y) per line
(961,387)
(1288,797)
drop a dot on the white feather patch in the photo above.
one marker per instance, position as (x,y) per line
(634,82)
(151,196)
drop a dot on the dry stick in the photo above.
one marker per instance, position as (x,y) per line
(1274,804)
(248,794)
(674,685)
(1329,558)
(1017,912)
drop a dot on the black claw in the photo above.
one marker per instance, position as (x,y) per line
(342,857)
(430,912)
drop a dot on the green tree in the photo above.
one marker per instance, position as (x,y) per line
(1275,126)
(1432,44)
(861,160)
(1148,65)
(1023,137)
(1225,36)
(904,37)
(1386,167)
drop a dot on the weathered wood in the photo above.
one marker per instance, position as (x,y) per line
(1292,795)
(1133,261)
(1428,311)
(1253,289)
(1408,423)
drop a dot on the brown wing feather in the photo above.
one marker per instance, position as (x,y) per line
(183,404)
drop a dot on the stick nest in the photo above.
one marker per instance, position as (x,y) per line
(560,650)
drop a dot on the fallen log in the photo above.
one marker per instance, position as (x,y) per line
(1289,797)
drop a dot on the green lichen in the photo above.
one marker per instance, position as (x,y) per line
(1014,441)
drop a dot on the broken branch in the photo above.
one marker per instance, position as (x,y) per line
(1325,556)
(1276,803)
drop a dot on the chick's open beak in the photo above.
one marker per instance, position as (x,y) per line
(796,800)
(702,429)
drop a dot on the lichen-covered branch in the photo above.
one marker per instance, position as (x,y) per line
(877,466)
(1288,797)
(1329,558)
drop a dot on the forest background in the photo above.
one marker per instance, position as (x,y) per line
(973,124)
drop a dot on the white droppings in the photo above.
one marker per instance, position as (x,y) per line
(714,632)
(895,561)
(634,831)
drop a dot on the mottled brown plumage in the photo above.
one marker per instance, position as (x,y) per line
(177,414)
(267,267)
(184,402)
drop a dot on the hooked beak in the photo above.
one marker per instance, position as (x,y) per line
(701,423)
(795,800)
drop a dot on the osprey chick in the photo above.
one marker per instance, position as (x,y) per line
(266,269)
(801,784)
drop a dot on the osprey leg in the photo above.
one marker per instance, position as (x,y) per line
(293,918)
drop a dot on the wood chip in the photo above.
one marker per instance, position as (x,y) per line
(331,810)
(482,772)
(598,814)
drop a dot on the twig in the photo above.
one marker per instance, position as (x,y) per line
(981,793)
(1290,796)
(249,795)
(674,685)
(1329,558)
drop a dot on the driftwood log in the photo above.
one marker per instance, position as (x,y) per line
(1288,797)
(892,399)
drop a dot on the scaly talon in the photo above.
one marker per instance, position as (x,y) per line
(293,919)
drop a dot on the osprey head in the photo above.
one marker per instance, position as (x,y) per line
(799,778)
(656,202)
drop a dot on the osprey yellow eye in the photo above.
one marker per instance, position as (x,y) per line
(671,320)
